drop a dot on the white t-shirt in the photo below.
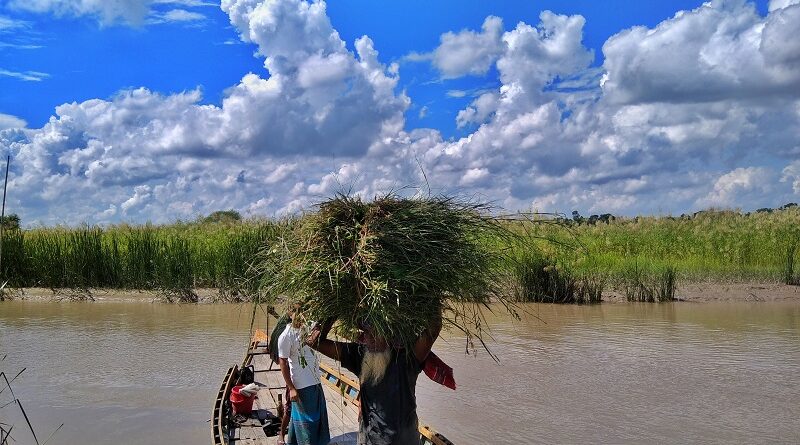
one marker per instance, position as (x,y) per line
(290,348)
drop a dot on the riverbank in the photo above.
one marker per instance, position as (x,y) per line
(41,294)
(725,292)
(691,292)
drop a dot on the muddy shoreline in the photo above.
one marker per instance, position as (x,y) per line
(691,292)
(725,292)
(204,295)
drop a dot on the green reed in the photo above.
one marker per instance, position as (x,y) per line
(644,258)
(789,276)
(537,278)
(172,258)
(713,246)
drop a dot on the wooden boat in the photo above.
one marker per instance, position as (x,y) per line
(341,394)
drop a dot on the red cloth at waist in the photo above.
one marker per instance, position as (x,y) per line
(438,371)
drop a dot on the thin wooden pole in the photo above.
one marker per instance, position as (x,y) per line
(3,215)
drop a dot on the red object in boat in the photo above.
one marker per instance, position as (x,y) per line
(241,403)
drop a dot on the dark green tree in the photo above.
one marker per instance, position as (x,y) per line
(10,222)
(222,216)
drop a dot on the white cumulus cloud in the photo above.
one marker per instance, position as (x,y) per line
(791,174)
(779,4)
(730,187)
(469,52)
(140,196)
(723,49)
(9,121)
(479,110)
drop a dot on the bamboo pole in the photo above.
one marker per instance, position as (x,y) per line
(3,216)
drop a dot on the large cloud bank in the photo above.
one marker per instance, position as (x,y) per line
(702,110)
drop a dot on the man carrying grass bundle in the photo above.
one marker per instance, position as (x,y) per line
(394,269)
(300,369)
(388,375)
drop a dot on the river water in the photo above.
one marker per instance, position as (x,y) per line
(142,373)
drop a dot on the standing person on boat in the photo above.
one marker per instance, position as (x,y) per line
(388,376)
(280,326)
(300,369)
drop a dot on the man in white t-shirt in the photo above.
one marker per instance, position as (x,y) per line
(300,369)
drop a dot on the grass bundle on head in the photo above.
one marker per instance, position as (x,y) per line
(395,264)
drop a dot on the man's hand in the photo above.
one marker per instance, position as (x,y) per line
(318,340)
(284,364)
(320,332)
(313,337)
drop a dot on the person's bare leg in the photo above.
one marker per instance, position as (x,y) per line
(287,414)
(285,422)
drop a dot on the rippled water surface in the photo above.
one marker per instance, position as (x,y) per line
(141,373)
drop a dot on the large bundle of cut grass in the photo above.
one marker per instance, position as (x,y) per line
(394,264)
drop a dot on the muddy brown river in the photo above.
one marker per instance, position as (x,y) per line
(143,373)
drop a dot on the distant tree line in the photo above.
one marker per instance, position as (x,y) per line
(783,207)
(592,220)
(13,222)
(606,218)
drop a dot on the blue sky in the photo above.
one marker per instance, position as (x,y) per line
(85,59)
(545,105)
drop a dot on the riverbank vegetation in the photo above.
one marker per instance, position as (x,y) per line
(174,259)
(644,258)
(563,260)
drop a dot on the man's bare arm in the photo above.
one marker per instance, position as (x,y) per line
(318,340)
(425,342)
(287,377)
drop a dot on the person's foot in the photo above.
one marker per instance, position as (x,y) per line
(280,441)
